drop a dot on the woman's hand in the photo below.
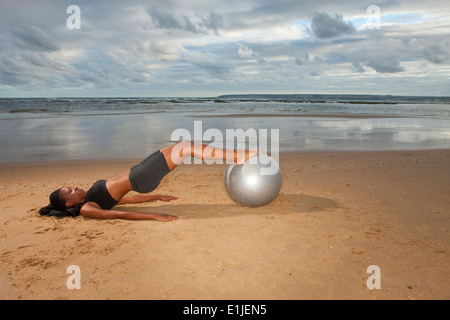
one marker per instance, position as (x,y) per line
(167,198)
(164,217)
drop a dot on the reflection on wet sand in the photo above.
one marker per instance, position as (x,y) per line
(135,135)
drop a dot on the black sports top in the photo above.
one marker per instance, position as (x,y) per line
(100,195)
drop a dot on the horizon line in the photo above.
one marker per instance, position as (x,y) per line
(229,95)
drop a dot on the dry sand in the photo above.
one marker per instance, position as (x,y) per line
(338,213)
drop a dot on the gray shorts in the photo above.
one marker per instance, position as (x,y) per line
(146,176)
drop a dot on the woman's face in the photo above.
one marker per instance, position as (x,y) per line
(72,195)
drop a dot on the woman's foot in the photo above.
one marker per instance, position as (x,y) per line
(241,156)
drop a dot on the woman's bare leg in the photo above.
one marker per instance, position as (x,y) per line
(120,185)
(176,153)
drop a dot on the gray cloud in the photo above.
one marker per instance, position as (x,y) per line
(387,61)
(32,38)
(36,70)
(384,64)
(358,66)
(212,64)
(437,53)
(302,58)
(197,24)
(380,53)
(165,20)
(213,22)
(325,26)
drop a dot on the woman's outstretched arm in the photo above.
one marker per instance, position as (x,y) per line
(92,210)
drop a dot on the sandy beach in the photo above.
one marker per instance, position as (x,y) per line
(338,213)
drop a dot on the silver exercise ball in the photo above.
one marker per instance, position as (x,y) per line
(255,183)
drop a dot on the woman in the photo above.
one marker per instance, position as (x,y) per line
(145,177)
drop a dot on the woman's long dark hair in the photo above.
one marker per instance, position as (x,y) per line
(57,207)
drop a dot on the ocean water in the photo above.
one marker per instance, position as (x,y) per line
(131,128)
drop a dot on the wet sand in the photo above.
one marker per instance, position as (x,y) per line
(338,214)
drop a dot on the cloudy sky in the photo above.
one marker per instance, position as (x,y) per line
(213,47)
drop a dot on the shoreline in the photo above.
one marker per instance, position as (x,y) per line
(300,115)
(337,214)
